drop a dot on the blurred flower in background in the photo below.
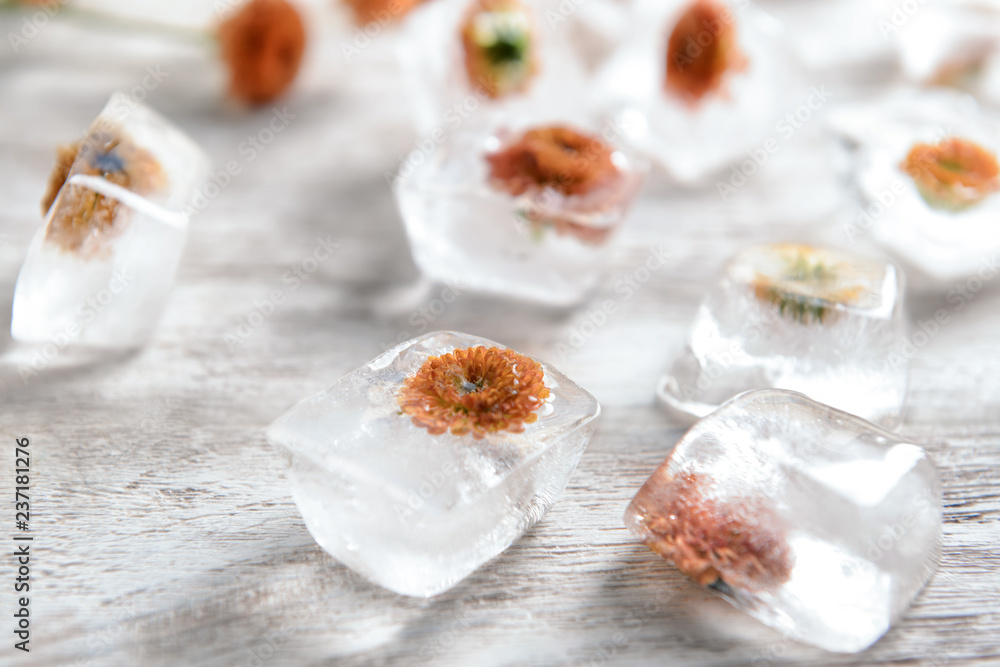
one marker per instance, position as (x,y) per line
(262,44)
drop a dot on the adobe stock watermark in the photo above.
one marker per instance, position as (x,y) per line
(625,287)
(35,23)
(424,316)
(695,45)
(966,290)
(786,127)
(122,106)
(156,415)
(899,16)
(363,35)
(864,218)
(85,314)
(958,296)
(605,651)
(924,506)
(719,362)
(454,116)
(775,652)
(263,309)
(429,486)
(248,150)
(444,640)
(103,639)
(271,643)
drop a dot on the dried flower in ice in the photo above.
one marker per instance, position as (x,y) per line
(953,174)
(499,47)
(740,543)
(380,11)
(570,175)
(475,390)
(701,49)
(262,43)
(82,214)
(65,156)
(810,284)
(554,157)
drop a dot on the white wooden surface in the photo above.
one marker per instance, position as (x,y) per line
(164,531)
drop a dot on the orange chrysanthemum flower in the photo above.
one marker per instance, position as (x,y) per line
(475,390)
(953,174)
(740,544)
(701,49)
(554,157)
(565,161)
(262,44)
(380,11)
(499,47)
(83,214)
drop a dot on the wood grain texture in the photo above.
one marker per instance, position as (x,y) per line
(165,533)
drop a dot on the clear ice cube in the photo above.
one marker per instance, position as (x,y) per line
(949,44)
(691,141)
(464,231)
(936,245)
(103,281)
(445,96)
(809,519)
(416,512)
(816,320)
(841,34)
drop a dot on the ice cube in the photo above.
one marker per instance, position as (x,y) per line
(385,488)
(937,242)
(475,63)
(540,245)
(99,270)
(830,36)
(693,138)
(810,519)
(817,320)
(949,44)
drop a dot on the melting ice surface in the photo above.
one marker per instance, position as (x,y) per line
(464,232)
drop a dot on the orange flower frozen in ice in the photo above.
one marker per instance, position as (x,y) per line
(739,544)
(476,390)
(571,177)
(554,157)
(83,216)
